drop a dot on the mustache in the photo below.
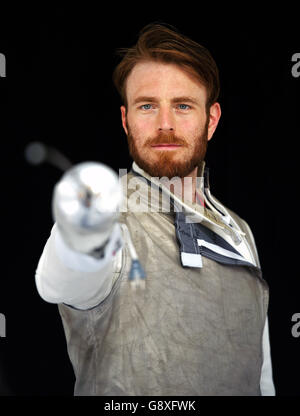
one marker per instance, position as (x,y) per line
(165,138)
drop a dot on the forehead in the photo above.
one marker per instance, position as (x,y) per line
(162,80)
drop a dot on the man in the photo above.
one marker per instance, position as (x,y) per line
(200,325)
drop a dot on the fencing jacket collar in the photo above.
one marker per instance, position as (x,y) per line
(204,230)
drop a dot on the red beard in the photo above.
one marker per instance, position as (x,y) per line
(165,163)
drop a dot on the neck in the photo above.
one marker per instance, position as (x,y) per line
(188,188)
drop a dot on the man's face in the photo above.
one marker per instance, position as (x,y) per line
(166,122)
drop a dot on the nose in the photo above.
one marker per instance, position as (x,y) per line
(166,121)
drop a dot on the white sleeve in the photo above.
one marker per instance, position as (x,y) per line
(266,380)
(66,276)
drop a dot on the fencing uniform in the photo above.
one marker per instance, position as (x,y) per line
(200,326)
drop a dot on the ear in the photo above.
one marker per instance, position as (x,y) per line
(123,117)
(214,117)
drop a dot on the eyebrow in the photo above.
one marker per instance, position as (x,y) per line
(175,100)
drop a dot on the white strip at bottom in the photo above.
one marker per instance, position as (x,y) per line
(192,260)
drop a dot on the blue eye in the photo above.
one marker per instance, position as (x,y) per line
(146,106)
(183,106)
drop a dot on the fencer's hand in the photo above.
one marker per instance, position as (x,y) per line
(86,204)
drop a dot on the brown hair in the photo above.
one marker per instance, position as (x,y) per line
(163,43)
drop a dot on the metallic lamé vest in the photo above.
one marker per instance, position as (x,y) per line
(193,331)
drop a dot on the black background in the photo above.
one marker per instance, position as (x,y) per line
(58,90)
